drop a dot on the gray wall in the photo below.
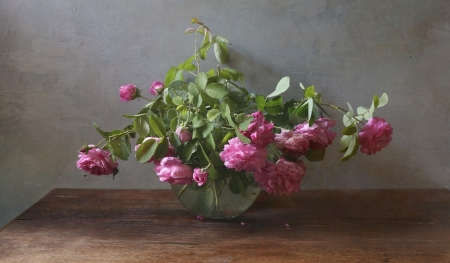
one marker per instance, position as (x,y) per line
(62,62)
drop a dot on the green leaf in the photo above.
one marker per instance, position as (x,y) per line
(282,86)
(210,143)
(203,50)
(349,130)
(238,98)
(207,129)
(219,39)
(352,148)
(174,140)
(242,137)
(310,92)
(315,155)
(227,114)
(161,149)
(294,119)
(198,121)
(260,102)
(310,103)
(133,116)
(213,174)
(213,114)
(215,159)
(364,112)
(146,150)
(141,126)
(178,101)
(157,125)
(347,119)
(102,133)
(172,113)
(187,65)
(179,75)
(173,124)
(189,149)
(192,88)
(240,118)
(221,52)
(170,76)
(207,99)
(244,125)
(197,101)
(274,106)
(216,90)
(383,100)
(375,101)
(201,79)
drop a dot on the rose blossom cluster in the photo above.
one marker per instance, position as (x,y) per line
(280,178)
(171,169)
(375,135)
(96,161)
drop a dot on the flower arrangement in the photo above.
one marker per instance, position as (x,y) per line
(204,127)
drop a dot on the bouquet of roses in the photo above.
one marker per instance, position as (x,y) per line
(205,127)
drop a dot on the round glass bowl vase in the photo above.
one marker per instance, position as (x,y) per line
(214,200)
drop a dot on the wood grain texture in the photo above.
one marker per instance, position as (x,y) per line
(72,225)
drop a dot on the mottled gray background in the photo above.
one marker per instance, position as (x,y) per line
(62,62)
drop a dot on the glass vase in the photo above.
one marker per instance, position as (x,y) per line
(214,200)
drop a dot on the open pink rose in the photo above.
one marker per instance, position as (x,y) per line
(319,134)
(260,130)
(170,151)
(291,143)
(96,161)
(173,171)
(184,134)
(200,176)
(241,156)
(156,88)
(128,92)
(282,178)
(375,135)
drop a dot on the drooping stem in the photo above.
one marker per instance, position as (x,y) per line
(341,110)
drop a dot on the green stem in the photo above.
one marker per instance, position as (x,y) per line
(140,96)
(182,191)
(215,195)
(340,109)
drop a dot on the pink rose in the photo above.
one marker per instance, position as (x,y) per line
(96,161)
(282,178)
(260,130)
(128,92)
(375,135)
(200,176)
(291,143)
(319,134)
(172,171)
(241,156)
(170,151)
(184,134)
(156,88)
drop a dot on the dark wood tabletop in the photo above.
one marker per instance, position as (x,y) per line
(73,225)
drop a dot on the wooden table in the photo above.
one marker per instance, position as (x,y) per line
(72,225)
